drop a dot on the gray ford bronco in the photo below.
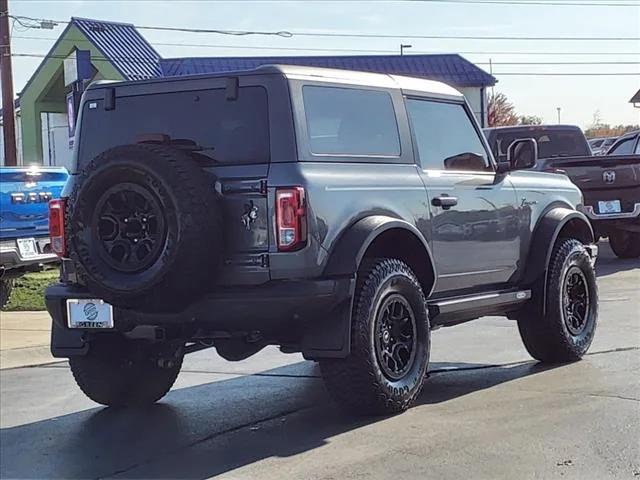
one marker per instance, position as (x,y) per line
(339,214)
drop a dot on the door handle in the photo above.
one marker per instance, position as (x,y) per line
(444,201)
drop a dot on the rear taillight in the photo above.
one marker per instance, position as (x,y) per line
(291,218)
(56,227)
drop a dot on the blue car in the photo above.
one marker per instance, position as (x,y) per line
(24,221)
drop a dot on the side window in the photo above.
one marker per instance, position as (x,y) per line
(638,147)
(623,148)
(445,137)
(349,121)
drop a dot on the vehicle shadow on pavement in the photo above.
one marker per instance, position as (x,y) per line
(213,428)
(609,264)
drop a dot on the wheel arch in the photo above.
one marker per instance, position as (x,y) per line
(383,236)
(556,224)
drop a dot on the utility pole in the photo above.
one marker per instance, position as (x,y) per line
(6,84)
(559,108)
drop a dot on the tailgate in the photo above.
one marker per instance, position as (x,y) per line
(24,199)
(603,179)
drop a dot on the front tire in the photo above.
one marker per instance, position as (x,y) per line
(625,244)
(390,343)
(118,372)
(565,332)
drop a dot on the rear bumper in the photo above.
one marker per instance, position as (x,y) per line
(590,212)
(314,313)
(11,259)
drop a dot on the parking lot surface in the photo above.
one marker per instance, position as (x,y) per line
(487,411)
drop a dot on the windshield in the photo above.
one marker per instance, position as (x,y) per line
(551,143)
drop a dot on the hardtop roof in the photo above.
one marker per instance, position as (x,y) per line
(316,74)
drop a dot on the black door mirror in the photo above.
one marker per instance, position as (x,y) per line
(522,153)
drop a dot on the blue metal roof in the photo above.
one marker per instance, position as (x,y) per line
(123,46)
(448,68)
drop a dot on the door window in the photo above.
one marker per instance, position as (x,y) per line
(623,148)
(445,137)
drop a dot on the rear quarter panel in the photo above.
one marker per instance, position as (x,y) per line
(340,194)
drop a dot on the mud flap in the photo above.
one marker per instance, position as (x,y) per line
(67,343)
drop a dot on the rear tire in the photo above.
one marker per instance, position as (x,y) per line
(566,331)
(6,287)
(390,343)
(625,244)
(118,372)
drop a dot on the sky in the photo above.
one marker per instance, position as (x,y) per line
(579,97)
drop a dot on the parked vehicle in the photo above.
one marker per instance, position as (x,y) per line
(599,146)
(24,221)
(610,186)
(626,144)
(553,140)
(339,214)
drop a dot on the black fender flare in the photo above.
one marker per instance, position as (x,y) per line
(544,238)
(346,255)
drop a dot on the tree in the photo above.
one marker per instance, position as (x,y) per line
(599,129)
(500,111)
(529,120)
(606,130)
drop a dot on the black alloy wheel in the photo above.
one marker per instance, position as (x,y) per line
(395,339)
(129,227)
(575,301)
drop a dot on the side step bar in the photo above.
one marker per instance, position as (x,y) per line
(473,306)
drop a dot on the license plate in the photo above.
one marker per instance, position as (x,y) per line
(609,206)
(89,313)
(27,247)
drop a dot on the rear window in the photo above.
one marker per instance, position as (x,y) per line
(551,143)
(350,122)
(204,121)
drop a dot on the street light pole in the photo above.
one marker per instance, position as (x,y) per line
(403,46)
(6,83)
(559,108)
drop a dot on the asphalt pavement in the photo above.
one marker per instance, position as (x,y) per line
(487,411)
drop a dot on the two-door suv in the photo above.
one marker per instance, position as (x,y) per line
(339,214)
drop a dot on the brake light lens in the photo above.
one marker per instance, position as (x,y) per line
(56,227)
(291,218)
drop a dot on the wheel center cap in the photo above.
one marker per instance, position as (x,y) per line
(386,336)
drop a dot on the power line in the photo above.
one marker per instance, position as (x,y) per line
(289,34)
(142,60)
(345,50)
(458,37)
(533,3)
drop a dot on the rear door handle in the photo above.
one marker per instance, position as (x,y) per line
(444,201)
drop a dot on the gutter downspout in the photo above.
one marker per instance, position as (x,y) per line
(482,100)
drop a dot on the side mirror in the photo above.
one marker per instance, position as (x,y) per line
(522,153)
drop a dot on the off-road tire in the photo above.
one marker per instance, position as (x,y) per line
(190,249)
(547,337)
(6,287)
(358,382)
(120,373)
(625,244)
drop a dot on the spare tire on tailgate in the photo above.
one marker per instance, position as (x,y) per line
(145,227)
